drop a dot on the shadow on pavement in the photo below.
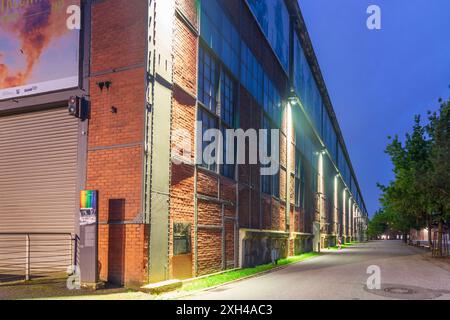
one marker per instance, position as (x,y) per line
(53,288)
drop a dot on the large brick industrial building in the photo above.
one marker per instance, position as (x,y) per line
(151,69)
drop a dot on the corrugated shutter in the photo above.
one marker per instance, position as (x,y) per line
(38,172)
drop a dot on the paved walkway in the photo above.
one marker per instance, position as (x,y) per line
(406,273)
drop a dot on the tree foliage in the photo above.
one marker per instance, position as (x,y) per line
(377,225)
(419,195)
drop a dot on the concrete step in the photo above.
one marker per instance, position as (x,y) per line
(161,287)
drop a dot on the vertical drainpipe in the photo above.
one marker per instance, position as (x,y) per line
(164,16)
(150,67)
(250,188)
(224,255)
(236,220)
(237,258)
(195,221)
(196,145)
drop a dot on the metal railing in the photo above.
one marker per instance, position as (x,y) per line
(24,256)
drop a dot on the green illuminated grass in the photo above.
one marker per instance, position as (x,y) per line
(344,245)
(222,278)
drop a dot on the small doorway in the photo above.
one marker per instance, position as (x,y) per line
(116,243)
(182,251)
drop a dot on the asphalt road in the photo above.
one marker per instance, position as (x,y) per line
(405,273)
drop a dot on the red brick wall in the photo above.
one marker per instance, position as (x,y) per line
(256,211)
(127,95)
(256,40)
(115,155)
(189,10)
(135,237)
(185,57)
(116,173)
(118,34)
(209,255)
(181,207)
(182,176)
(115,158)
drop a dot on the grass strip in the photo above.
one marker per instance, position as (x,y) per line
(344,245)
(222,278)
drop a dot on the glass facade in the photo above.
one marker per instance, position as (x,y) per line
(217,104)
(272,101)
(266,181)
(252,77)
(227,101)
(273,18)
(220,34)
(235,60)
(298,179)
(269,184)
(208,81)
(307,91)
(260,86)
(329,136)
(222,37)
(307,145)
(306,87)
(306,164)
(276,185)
(208,122)
(343,166)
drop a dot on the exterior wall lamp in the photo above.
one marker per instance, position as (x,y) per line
(292,99)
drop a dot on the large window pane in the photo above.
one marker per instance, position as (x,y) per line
(273,17)
(208,122)
(227,99)
(220,34)
(227,169)
(208,78)
(306,87)
(266,180)
(329,135)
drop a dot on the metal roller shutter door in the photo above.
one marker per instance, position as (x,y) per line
(38,172)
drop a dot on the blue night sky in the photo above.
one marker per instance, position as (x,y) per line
(379,79)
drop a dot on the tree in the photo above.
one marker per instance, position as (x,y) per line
(418,148)
(439,175)
(377,225)
(419,195)
(405,199)
(395,209)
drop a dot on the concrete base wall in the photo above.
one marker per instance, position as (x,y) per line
(303,244)
(328,241)
(256,246)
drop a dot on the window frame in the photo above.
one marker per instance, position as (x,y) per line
(224,78)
